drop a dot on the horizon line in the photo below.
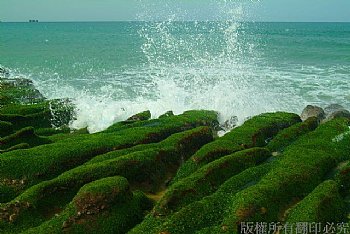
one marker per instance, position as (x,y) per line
(112,21)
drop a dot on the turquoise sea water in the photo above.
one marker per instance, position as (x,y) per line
(115,69)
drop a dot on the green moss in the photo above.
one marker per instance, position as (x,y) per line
(205,212)
(103,206)
(47,161)
(145,115)
(211,230)
(25,135)
(21,109)
(324,204)
(38,120)
(342,177)
(147,169)
(102,192)
(52,131)
(6,128)
(136,120)
(208,178)
(148,164)
(42,115)
(186,139)
(302,167)
(291,134)
(191,119)
(16,147)
(210,210)
(18,91)
(65,134)
(166,114)
(255,132)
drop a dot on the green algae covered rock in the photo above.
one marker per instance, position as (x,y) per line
(23,136)
(5,128)
(47,161)
(16,147)
(146,169)
(324,204)
(205,212)
(302,167)
(208,178)
(103,206)
(18,90)
(102,193)
(255,132)
(166,114)
(47,114)
(187,120)
(288,135)
(146,115)
(342,177)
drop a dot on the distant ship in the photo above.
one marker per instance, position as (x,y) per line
(33,21)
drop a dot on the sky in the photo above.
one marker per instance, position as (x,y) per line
(130,10)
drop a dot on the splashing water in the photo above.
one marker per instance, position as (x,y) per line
(189,65)
(209,65)
(114,70)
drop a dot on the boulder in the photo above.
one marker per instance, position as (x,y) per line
(230,123)
(145,115)
(332,108)
(166,114)
(312,111)
(338,114)
(335,111)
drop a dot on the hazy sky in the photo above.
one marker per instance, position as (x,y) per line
(116,10)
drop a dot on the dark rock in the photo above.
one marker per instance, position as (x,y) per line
(230,123)
(332,108)
(335,111)
(338,114)
(146,115)
(312,111)
(166,114)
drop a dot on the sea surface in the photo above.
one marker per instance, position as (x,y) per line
(112,70)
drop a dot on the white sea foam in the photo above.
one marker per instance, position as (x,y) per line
(185,70)
(209,65)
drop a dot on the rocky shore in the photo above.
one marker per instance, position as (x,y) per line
(168,175)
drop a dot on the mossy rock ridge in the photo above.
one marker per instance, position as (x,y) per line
(147,169)
(204,212)
(19,90)
(103,206)
(301,169)
(48,114)
(208,178)
(324,204)
(288,135)
(47,161)
(255,132)
(23,136)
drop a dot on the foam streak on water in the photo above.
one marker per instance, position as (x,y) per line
(200,65)
(114,70)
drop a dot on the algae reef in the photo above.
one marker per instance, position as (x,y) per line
(167,175)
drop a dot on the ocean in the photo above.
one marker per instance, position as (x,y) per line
(112,70)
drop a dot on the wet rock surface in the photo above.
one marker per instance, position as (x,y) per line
(313,111)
